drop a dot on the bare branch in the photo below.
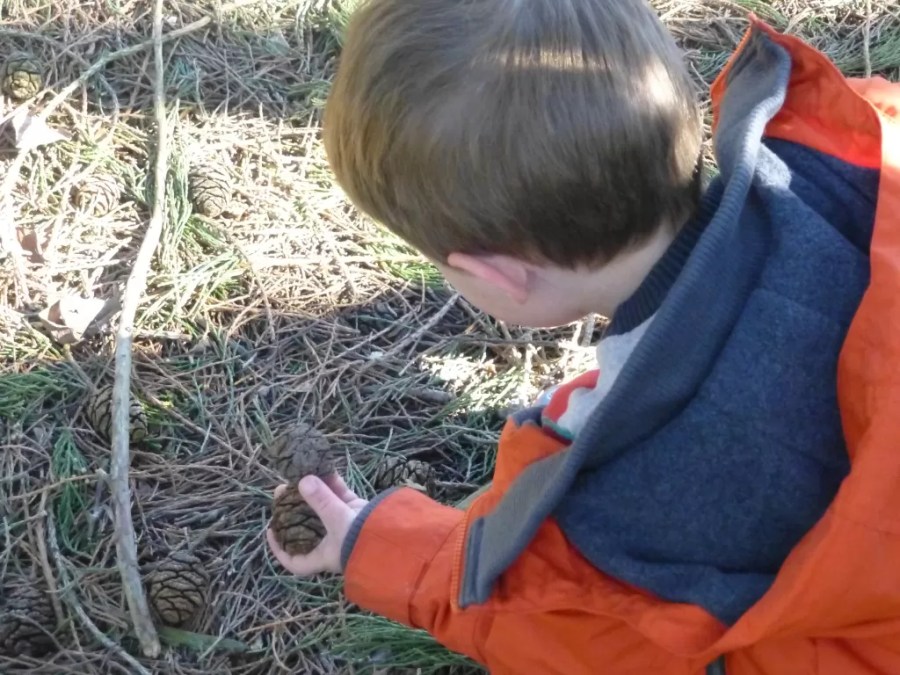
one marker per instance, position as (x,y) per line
(126,544)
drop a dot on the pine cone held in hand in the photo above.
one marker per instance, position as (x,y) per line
(300,451)
(296,526)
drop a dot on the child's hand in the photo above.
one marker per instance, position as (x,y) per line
(337,506)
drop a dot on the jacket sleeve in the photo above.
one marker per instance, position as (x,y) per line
(399,563)
(552,612)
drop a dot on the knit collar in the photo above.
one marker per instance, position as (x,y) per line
(644,302)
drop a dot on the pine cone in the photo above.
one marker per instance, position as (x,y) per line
(300,451)
(26,618)
(99,194)
(210,188)
(420,474)
(99,414)
(178,588)
(401,471)
(296,526)
(22,76)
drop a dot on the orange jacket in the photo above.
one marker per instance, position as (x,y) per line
(834,608)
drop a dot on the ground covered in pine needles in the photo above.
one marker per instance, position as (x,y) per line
(286,307)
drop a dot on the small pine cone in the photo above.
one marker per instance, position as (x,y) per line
(178,588)
(99,414)
(300,451)
(421,474)
(26,622)
(390,473)
(296,526)
(23,76)
(401,471)
(210,188)
(99,194)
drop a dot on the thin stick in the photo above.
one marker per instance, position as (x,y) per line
(51,486)
(525,386)
(587,334)
(8,241)
(414,337)
(867,38)
(126,545)
(71,599)
(45,561)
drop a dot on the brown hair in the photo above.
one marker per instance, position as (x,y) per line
(554,130)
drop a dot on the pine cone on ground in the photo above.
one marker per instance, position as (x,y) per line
(210,189)
(300,451)
(23,76)
(99,414)
(98,194)
(26,622)
(395,471)
(178,588)
(296,526)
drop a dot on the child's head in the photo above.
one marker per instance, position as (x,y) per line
(507,138)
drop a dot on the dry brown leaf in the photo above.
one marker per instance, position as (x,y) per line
(69,317)
(31,244)
(32,132)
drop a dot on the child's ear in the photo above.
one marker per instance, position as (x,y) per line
(508,274)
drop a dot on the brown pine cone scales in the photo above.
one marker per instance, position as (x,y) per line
(23,76)
(178,588)
(296,526)
(395,471)
(300,451)
(98,194)
(26,622)
(210,189)
(99,414)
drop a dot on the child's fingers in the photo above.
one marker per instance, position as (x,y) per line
(278,552)
(330,508)
(339,487)
(280,490)
(301,565)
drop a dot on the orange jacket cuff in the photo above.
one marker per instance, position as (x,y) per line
(396,544)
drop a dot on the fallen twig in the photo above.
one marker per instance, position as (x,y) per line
(587,334)
(71,600)
(414,337)
(199,642)
(126,545)
(867,39)
(8,241)
(45,561)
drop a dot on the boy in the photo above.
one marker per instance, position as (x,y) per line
(682,501)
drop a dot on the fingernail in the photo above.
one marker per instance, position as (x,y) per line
(308,485)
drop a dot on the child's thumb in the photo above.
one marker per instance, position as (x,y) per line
(327,505)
